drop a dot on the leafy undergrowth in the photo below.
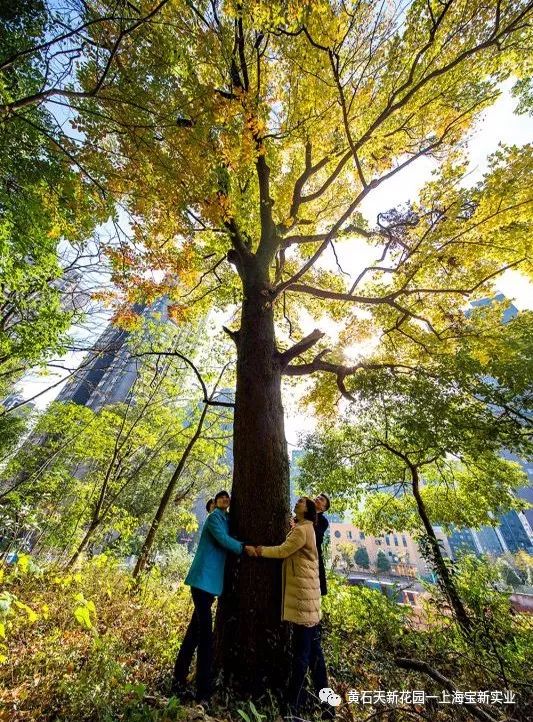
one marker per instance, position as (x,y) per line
(88,647)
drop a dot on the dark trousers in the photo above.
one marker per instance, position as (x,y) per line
(307,654)
(199,635)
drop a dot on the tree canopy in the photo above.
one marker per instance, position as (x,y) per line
(259,129)
(46,205)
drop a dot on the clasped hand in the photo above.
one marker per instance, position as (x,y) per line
(253,551)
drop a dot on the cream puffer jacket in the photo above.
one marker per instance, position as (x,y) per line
(300,581)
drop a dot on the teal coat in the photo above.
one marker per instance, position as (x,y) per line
(207,568)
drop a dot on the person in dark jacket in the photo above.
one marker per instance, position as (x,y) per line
(316,660)
(206,579)
(322,504)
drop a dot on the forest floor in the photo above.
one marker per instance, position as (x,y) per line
(92,646)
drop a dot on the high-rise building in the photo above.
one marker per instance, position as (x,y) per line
(463,540)
(526,493)
(109,371)
(490,540)
(516,532)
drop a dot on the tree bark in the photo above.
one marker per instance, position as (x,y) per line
(443,572)
(251,641)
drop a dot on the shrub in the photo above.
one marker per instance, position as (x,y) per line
(92,644)
(368,639)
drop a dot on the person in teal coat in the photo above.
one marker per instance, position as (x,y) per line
(206,580)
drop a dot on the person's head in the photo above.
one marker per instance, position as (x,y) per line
(222,500)
(305,509)
(322,502)
(210,506)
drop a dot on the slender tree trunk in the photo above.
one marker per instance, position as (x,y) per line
(251,640)
(81,547)
(165,499)
(440,565)
(96,517)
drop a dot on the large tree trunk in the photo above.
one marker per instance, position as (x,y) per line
(251,640)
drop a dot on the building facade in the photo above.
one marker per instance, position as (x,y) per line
(400,549)
(108,373)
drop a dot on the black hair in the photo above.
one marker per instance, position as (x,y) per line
(326,497)
(208,504)
(310,509)
(219,494)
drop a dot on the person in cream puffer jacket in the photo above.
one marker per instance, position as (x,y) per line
(301,603)
(300,582)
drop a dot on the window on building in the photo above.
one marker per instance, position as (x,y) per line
(361,535)
(387,541)
(338,534)
(395,541)
(404,541)
(349,534)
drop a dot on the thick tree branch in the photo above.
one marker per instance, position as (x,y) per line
(299,239)
(285,357)
(341,371)
(334,62)
(242,57)
(337,295)
(268,243)
(240,253)
(234,335)
(309,171)
(391,298)
(334,175)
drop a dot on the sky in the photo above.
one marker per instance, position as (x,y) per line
(497,125)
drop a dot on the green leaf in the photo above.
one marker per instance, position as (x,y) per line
(83,617)
(257,715)
(32,616)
